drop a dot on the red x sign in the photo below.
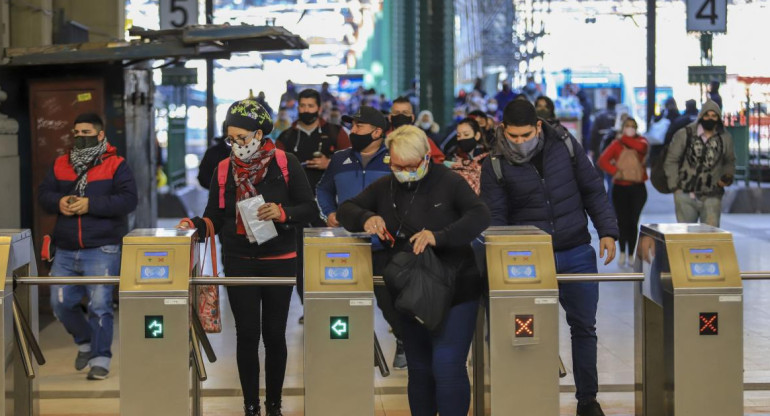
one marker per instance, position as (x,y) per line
(525,326)
(708,322)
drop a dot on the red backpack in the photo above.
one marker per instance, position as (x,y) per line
(224,167)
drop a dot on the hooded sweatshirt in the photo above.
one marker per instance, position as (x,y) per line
(696,164)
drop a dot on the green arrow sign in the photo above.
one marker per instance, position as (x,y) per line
(153,326)
(339,327)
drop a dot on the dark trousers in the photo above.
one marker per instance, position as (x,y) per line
(629,201)
(438,379)
(580,301)
(260,309)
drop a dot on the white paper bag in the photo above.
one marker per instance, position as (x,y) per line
(256,230)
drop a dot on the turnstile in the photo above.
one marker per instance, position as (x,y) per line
(339,323)
(523,321)
(689,344)
(155,335)
(21,395)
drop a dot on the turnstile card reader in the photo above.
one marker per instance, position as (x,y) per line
(155,376)
(17,257)
(692,308)
(339,323)
(524,321)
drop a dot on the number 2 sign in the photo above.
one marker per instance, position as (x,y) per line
(707,16)
(175,14)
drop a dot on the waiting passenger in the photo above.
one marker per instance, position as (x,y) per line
(699,164)
(256,167)
(624,159)
(540,176)
(350,171)
(469,153)
(423,204)
(92,190)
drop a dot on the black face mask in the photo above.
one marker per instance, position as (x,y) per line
(308,118)
(466,145)
(359,141)
(544,114)
(400,120)
(84,142)
(708,125)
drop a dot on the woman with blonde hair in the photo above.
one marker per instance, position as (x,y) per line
(427,205)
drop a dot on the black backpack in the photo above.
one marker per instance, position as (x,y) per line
(658,177)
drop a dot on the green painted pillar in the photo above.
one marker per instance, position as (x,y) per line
(436,40)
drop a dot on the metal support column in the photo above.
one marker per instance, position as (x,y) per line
(651,19)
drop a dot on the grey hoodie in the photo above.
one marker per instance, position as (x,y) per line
(695,166)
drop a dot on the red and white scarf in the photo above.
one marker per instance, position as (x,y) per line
(248,175)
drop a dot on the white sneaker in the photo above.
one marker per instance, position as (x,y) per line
(622,259)
(631,260)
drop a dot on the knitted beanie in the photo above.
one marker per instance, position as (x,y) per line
(249,115)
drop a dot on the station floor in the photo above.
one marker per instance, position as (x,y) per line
(67,392)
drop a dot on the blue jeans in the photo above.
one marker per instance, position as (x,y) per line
(579,301)
(438,379)
(96,332)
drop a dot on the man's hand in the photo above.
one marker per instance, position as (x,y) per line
(607,245)
(421,240)
(320,163)
(375,225)
(80,206)
(269,212)
(331,220)
(64,206)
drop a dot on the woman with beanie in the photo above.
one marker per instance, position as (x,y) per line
(256,167)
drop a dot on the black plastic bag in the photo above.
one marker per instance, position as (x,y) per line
(423,284)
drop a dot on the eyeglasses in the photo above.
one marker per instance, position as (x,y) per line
(240,140)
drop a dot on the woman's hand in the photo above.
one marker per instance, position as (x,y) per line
(375,225)
(421,240)
(269,212)
(184,225)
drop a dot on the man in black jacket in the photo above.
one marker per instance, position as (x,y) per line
(541,177)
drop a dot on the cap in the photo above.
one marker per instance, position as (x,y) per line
(368,115)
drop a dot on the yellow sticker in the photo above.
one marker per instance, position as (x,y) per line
(86,96)
(386,159)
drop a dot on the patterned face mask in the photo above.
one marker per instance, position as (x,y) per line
(404,176)
(247,151)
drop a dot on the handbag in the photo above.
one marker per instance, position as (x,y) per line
(656,134)
(207,296)
(424,285)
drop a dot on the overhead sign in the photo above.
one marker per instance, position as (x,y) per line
(339,327)
(153,326)
(706,74)
(707,16)
(175,14)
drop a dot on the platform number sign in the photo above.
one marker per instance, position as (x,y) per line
(339,327)
(153,326)
(708,322)
(707,16)
(175,14)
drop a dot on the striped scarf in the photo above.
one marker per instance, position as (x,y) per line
(82,160)
(248,174)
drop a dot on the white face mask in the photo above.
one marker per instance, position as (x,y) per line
(629,132)
(425,125)
(492,107)
(246,152)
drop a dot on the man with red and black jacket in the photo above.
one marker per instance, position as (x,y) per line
(92,190)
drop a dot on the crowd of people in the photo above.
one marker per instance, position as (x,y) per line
(418,190)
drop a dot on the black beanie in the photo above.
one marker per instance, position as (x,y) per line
(249,115)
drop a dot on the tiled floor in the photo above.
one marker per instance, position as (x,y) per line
(65,392)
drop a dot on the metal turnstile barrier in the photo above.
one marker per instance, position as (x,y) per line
(689,312)
(339,323)
(524,321)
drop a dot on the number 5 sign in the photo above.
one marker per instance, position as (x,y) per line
(178,13)
(707,16)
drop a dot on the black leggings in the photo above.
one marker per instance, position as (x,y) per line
(245,303)
(629,201)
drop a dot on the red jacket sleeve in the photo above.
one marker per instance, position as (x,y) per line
(435,153)
(609,155)
(639,144)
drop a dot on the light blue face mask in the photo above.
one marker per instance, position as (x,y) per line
(407,176)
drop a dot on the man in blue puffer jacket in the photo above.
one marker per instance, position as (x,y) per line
(349,172)
(549,183)
(92,190)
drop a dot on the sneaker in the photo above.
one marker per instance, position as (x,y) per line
(98,373)
(622,259)
(399,360)
(302,320)
(590,408)
(252,410)
(81,361)
(273,409)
